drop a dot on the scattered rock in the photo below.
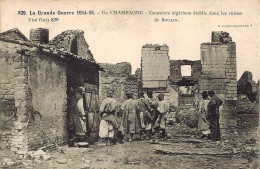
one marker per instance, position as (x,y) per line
(8,162)
(234,150)
(248,149)
(30,154)
(27,162)
(46,157)
(169,135)
(38,154)
(37,161)
(62,161)
(193,118)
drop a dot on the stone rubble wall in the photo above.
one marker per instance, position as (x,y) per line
(28,85)
(118,78)
(14,97)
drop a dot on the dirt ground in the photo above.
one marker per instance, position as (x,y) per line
(237,149)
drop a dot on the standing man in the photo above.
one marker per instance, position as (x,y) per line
(145,117)
(79,115)
(109,121)
(213,116)
(153,103)
(130,118)
(163,108)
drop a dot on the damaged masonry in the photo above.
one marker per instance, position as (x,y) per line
(39,78)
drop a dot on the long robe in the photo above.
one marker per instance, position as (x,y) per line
(130,120)
(153,103)
(145,117)
(109,121)
(203,124)
(213,109)
(79,113)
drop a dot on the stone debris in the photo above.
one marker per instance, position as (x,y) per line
(188,116)
(62,161)
(46,157)
(244,105)
(8,162)
(38,154)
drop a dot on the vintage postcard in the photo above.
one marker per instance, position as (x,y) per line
(129,84)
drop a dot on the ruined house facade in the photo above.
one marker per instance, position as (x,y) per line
(155,69)
(181,81)
(184,87)
(215,71)
(37,79)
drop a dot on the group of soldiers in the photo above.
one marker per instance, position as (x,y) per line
(138,115)
(135,116)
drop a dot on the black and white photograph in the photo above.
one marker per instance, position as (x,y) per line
(137,84)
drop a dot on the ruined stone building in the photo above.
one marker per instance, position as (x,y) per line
(37,79)
(219,72)
(181,81)
(162,75)
(215,71)
(118,77)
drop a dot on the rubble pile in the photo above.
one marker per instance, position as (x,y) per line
(190,117)
(244,105)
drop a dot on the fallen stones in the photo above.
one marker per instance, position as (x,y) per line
(189,117)
(62,161)
(234,150)
(8,162)
(38,154)
(47,157)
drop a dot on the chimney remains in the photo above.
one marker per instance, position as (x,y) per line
(39,35)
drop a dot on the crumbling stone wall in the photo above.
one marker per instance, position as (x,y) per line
(246,86)
(47,83)
(29,84)
(247,94)
(132,84)
(73,41)
(14,97)
(218,60)
(118,78)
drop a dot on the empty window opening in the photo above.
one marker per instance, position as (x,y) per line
(186,70)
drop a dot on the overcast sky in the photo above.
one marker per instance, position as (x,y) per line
(114,39)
